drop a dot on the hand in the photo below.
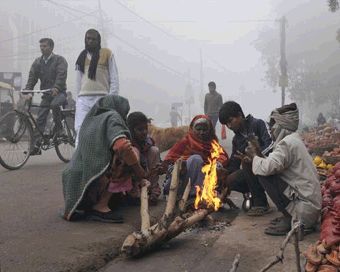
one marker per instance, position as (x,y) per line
(244,158)
(222,176)
(26,97)
(253,148)
(162,167)
(54,91)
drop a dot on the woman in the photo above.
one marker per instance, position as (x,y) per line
(103,164)
(195,150)
(148,152)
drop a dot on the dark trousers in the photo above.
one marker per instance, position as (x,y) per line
(214,119)
(275,187)
(54,102)
(243,181)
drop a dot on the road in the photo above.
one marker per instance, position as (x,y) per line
(34,238)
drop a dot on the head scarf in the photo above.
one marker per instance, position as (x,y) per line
(80,63)
(192,145)
(286,121)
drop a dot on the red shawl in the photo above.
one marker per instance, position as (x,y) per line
(191,145)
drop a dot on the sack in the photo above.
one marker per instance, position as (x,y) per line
(224,132)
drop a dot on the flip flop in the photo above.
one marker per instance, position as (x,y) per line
(276,220)
(277,231)
(258,211)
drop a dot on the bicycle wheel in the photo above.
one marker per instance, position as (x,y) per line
(16,136)
(65,146)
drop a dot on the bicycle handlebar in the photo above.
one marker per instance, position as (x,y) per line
(35,91)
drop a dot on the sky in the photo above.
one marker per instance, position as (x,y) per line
(157,45)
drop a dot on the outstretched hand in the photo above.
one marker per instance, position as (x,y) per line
(244,158)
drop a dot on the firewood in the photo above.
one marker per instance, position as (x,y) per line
(144,208)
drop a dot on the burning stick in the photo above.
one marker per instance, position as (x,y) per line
(169,227)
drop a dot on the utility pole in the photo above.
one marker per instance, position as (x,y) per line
(283,82)
(103,35)
(202,80)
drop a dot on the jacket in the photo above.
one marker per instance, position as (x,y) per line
(52,74)
(260,130)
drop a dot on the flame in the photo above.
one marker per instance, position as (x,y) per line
(208,193)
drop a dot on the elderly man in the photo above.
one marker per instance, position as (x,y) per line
(288,174)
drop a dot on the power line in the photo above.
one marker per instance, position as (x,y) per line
(27,34)
(166,33)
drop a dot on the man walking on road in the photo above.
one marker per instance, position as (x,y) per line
(97,76)
(174,116)
(212,103)
(51,69)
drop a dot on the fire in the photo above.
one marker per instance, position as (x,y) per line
(208,193)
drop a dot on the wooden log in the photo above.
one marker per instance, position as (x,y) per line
(235,263)
(144,208)
(183,201)
(170,206)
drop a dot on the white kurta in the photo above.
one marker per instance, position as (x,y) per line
(292,162)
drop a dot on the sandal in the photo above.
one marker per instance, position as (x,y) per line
(276,220)
(258,211)
(280,229)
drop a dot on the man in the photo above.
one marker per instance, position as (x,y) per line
(243,180)
(288,173)
(174,116)
(71,104)
(97,76)
(51,69)
(212,103)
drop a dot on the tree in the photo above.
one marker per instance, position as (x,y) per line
(333,5)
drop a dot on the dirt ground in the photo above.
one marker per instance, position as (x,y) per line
(34,238)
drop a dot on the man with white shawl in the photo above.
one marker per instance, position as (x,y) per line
(288,174)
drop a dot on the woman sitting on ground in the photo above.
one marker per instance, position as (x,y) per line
(195,150)
(288,174)
(148,152)
(104,164)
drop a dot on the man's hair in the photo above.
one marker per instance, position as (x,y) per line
(229,109)
(48,40)
(212,83)
(136,118)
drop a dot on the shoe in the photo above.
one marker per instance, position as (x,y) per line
(106,217)
(258,211)
(61,134)
(35,151)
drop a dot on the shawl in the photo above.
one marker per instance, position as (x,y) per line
(102,126)
(285,124)
(192,145)
(80,63)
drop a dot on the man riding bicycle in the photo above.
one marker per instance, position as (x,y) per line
(51,69)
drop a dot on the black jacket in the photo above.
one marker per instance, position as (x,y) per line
(260,130)
(51,75)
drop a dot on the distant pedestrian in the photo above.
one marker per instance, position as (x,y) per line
(321,120)
(71,103)
(97,76)
(212,103)
(174,116)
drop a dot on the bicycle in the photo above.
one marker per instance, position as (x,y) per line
(17,138)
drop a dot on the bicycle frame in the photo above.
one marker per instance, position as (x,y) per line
(47,140)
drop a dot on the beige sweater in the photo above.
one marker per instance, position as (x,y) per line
(101,85)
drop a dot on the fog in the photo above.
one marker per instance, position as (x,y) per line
(161,46)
